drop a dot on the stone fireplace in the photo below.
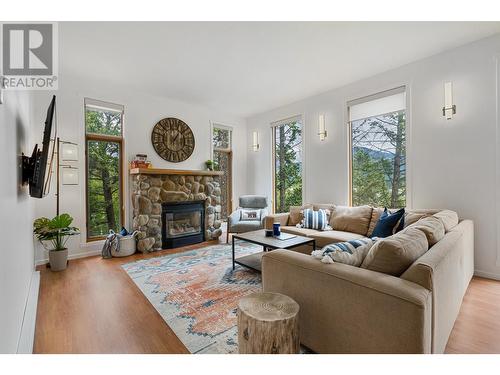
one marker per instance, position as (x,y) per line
(153,187)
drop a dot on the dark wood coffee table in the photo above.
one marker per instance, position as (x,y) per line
(258,237)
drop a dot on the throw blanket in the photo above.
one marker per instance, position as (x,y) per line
(350,252)
(112,243)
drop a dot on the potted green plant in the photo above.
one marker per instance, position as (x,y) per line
(53,235)
(210,165)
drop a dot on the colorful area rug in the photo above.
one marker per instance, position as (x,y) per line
(197,293)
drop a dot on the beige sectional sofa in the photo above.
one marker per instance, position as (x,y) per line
(347,309)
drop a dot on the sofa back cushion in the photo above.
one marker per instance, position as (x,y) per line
(296,214)
(432,227)
(448,218)
(394,254)
(351,219)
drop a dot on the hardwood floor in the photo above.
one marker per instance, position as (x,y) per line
(94,307)
(477,329)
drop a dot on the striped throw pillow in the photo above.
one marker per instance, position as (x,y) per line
(351,252)
(315,219)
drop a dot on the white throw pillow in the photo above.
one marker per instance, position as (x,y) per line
(351,252)
(250,215)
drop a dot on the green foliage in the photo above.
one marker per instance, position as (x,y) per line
(103,185)
(56,232)
(379,161)
(288,166)
(103,122)
(368,181)
(221,138)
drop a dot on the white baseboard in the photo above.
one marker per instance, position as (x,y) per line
(487,275)
(27,337)
(85,254)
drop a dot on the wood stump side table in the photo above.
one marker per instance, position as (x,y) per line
(268,323)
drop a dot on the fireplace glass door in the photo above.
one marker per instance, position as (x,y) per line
(183,223)
(180,224)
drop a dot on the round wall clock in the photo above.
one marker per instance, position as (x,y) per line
(173,139)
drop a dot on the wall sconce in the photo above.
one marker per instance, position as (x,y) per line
(69,151)
(255,144)
(449,108)
(321,128)
(69,175)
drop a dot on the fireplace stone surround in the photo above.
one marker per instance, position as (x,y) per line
(152,187)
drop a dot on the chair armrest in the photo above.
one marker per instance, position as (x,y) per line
(346,309)
(233,218)
(276,218)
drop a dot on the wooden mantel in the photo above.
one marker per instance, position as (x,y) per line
(185,172)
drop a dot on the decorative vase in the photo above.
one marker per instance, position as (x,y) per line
(58,259)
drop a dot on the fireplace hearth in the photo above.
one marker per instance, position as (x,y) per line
(182,223)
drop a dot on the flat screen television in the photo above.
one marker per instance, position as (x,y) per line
(38,169)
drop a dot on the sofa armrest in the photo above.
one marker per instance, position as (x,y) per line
(345,309)
(276,218)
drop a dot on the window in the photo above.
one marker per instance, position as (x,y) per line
(287,153)
(221,137)
(378,149)
(103,149)
(223,158)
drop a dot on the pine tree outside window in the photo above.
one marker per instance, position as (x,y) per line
(287,164)
(104,180)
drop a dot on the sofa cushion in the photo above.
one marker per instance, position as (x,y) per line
(332,236)
(316,219)
(394,254)
(412,217)
(296,214)
(449,219)
(432,227)
(351,219)
(324,206)
(299,231)
(388,223)
(351,252)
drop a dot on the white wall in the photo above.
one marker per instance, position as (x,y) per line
(451,164)
(142,111)
(16,219)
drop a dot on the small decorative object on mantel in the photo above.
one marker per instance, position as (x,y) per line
(211,165)
(173,139)
(140,161)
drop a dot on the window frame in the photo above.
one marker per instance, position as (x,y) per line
(406,88)
(101,105)
(299,118)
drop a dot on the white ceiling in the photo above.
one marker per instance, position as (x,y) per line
(247,68)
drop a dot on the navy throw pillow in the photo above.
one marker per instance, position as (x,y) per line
(387,221)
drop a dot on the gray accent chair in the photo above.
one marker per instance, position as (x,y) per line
(254,202)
